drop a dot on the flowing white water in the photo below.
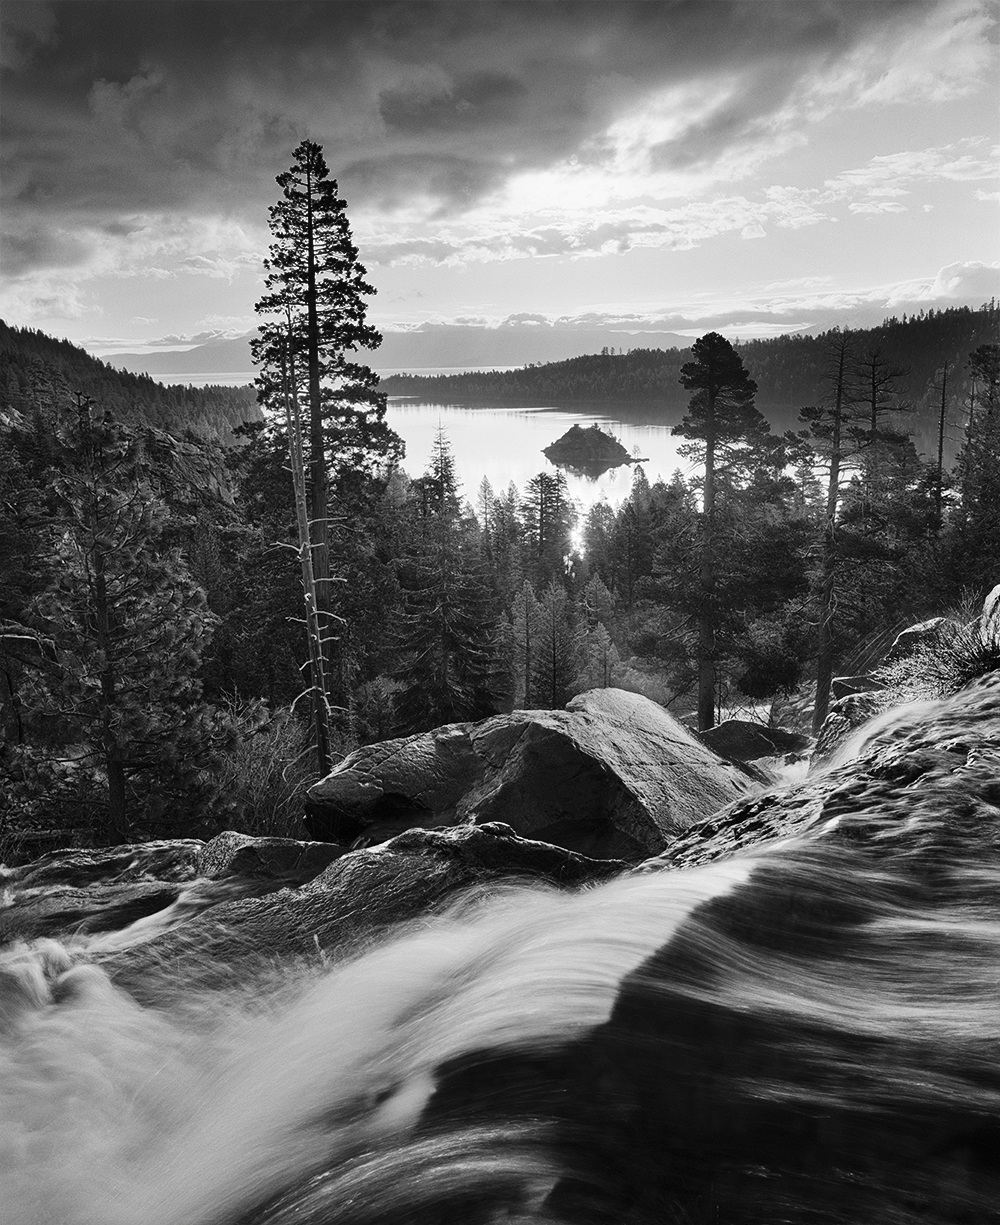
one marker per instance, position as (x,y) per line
(115,1114)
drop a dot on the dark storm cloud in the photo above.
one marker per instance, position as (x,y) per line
(113,108)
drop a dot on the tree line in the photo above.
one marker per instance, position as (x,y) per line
(188,634)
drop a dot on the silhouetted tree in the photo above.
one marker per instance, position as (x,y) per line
(312,317)
(731,439)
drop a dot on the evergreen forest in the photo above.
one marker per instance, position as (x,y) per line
(162,675)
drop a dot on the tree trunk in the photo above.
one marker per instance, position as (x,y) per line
(706,617)
(319,528)
(939,480)
(824,649)
(317,672)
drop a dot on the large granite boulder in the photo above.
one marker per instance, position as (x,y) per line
(929,633)
(612,776)
(742,740)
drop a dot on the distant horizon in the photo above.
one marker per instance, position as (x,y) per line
(750,167)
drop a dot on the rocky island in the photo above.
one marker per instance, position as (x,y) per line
(590,451)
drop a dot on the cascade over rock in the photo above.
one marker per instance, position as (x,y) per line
(613,776)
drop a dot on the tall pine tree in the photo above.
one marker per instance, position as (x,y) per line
(313,317)
(731,439)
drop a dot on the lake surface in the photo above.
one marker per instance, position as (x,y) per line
(505,444)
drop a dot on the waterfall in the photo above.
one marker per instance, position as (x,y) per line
(807,1033)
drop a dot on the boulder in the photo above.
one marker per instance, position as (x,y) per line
(284,859)
(611,776)
(925,634)
(918,787)
(742,740)
(989,621)
(846,714)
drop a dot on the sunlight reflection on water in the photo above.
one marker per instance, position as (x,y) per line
(505,444)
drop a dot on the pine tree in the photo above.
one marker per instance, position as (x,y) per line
(447,668)
(975,532)
(118,691)
(556,661)
(312,317)
(732,440)
(525,616)
(548,522)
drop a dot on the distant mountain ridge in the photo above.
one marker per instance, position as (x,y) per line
(431,346)
(788,370)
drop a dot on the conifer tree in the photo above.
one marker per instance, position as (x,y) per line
(312,318)
(556,661)
(732,440)
(548,522)
(127,627)
(447,668)
(525,616)
(976,528)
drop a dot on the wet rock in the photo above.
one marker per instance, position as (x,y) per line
(284,859)
(891,795)
(106,889)
(175,860)
(611,776)
(742,740)
(846,714)
(351,902)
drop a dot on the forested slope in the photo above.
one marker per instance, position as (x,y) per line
(37,371)
(788,369)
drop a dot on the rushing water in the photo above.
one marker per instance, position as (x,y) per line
(804,1034)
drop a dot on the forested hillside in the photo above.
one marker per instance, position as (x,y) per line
(788,370)
(38,370)
(151,616)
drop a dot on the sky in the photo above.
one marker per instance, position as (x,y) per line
(750,166)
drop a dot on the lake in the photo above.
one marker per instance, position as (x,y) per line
(505,444)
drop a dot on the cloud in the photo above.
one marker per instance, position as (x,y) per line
(793,305)
(972,281)
(179,106)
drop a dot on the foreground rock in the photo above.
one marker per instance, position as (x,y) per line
(85,891)
(919,784)
(611,776)
(350,903)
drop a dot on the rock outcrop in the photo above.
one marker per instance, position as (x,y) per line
(930,633)
(611,776)
(941,758)
(742,740)
(590,451)
(344,907)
